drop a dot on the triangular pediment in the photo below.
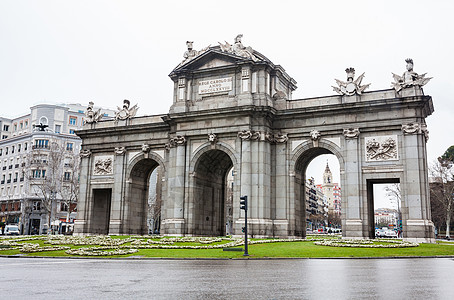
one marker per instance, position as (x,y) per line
(212,58)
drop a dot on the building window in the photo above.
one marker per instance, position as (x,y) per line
(12,149)
(18,147)
(26,124)
(39,173)
(69,146)
(57,128)
(4,137)
(1,151)
(71,131)
(21,125)
(67,176)
(72,120)
(40,144)
(63,206)
(5,127)
(36,205)
(6,150)
(26,146)
(15,127)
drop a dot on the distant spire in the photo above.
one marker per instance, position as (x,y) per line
(327,167)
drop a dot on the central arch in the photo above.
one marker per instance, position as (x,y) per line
(302,157)
(208,205)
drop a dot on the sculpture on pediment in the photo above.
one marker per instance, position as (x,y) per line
(92,116)
(351,86)
(191,53)
(409,78)
(351,133)
(103,166)
(126,112)
(238,49)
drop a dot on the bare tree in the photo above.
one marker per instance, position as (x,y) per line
(69,189)
(442,188)
(54,177)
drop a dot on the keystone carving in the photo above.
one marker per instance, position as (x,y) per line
(212,138)
(315,135)
(145,148)
(351,133)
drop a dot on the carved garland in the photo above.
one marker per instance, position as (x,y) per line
(249,135)
(351,133)
(416,128)
(276,138)
(176,141)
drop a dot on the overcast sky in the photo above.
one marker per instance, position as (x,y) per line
(106,51)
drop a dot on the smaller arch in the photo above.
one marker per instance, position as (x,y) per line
(141,157)
(207,147)
(307,147)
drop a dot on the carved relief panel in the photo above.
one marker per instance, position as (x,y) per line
(381,148)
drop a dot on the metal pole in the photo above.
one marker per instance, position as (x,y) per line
(245,233)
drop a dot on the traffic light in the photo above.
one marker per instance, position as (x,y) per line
(243,203)
(243,229)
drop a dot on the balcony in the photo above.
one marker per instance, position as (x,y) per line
(14,180)
(23,164)
(16,166)
(3,182)
(10,167)
(4,168)
(34,147)
(8,181)
(21,179)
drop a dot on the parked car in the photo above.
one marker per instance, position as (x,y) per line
(380,232)
(390,233)
(12,230)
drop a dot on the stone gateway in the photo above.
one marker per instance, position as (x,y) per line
(233,114)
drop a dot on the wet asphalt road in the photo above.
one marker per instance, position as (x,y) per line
(35,278)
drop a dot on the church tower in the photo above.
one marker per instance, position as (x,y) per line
(328,187)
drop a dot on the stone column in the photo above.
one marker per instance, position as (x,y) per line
(417,223)
(352,218)
(281,222)
(174,222)
(245,178)
(81,224)
(117,217)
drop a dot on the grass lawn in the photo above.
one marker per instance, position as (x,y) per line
(300,249)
